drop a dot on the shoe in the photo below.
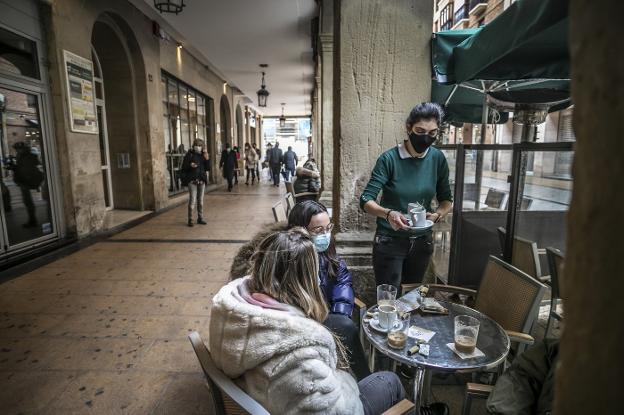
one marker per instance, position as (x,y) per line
(247,183)
(229,189)
(190,223)
(436,408)
(200,221)
(408,372)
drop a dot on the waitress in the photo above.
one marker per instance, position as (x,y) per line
(411,172)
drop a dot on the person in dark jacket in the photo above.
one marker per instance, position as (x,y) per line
(259,153)
(195,168)
(335,279)
(27,176)
(307,181)
(275,159)
(290,163)
(228,164)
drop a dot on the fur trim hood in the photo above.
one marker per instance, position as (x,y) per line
(241,265)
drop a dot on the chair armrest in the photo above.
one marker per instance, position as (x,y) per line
(545,278)
(405,288)
(541,251)
(400,408)
(478,389)
(359,304)
(523,338)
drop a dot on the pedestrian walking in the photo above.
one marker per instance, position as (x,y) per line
(237,169)
(290,163)
(195,168)
(228,164)
(275,159)
(259,153)
(251,163)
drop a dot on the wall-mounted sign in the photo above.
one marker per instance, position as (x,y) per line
(252,121)
(80,94)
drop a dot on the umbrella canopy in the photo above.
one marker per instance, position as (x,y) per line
(529,40)
(464,103)
(442,45)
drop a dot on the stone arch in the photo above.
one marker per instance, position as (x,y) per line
(125,93)
(225,121)
(240,127)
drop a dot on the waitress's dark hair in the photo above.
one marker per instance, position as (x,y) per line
(425,111)
(300,216)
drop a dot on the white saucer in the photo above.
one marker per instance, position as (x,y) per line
(374,323)
(418,228)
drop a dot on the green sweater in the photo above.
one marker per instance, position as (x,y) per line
(405,179)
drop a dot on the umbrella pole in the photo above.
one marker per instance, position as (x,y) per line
(479,165)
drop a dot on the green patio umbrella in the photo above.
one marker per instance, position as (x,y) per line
(464,103)
(529,40)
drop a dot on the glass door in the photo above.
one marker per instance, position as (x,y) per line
(107,183)
(26,210)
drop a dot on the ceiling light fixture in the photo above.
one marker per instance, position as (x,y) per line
(282,119)
(169,6)
(263,94)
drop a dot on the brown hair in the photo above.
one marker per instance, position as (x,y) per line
(285,267)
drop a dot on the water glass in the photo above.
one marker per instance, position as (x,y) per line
(386,294)
(466,333)
(397,334)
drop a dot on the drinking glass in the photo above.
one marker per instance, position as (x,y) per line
(386,294)
(466,333)
(397,333)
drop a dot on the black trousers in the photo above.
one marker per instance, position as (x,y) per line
(275,171)
(401,260)
(253,175)
(229,176)
(348,332)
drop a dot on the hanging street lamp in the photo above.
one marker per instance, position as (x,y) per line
(282,119)
(263,94)
(169,6)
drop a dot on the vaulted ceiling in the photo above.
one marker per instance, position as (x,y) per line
(235,36)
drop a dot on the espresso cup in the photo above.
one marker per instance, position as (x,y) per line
(419,217)
(387,315)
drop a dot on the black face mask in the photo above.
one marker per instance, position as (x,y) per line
(421,142)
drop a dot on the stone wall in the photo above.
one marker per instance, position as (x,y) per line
(589,378)
(382,71)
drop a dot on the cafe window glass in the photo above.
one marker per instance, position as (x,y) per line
(18,55)
(184,119)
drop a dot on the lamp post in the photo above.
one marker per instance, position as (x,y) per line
(263,94)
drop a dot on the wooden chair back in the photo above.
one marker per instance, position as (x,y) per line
(496,199)
(279,212)
(228,398)
(509,296)
(290,202)
(290,188)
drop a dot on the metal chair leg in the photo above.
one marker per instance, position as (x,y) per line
(467,404)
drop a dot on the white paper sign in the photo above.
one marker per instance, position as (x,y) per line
(80,94)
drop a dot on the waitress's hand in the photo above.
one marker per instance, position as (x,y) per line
(193,165)
(397,220)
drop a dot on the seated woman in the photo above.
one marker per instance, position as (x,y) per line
(307,181)
(333,275)
(266,331)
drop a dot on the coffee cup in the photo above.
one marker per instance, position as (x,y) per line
(387,315)
(418,217)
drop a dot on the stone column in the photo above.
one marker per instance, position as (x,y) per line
(589,377)
(326,42)
(383,70)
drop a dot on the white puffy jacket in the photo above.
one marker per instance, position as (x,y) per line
(284,360)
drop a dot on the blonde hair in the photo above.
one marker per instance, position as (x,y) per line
(285,267)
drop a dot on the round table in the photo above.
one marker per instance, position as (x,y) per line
(492,341)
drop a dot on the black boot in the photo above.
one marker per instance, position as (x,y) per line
(190,223)
(200,221)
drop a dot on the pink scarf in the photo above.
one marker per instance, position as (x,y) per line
(261,300)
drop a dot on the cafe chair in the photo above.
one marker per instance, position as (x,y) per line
(555,263)
(299,197)
(496,199)
(229,399)
(506,294)
(279,212)
(525,255)
(290,202)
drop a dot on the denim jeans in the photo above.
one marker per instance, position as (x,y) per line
(401,260)
(196,197)
(348,332)
(380,392)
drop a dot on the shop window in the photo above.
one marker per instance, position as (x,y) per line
(18,55)
(185,117)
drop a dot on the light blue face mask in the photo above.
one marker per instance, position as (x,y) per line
(321,242)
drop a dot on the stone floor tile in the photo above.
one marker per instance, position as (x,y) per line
(186,394)
(171,356)
(32,391)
